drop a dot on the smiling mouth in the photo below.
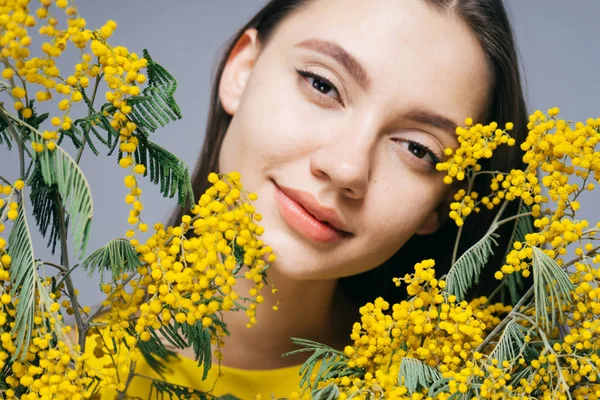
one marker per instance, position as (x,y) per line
(328,224)
(305,223)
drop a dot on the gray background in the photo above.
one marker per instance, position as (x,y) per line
(558,44)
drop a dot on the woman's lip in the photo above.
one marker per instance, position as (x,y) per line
(305,223)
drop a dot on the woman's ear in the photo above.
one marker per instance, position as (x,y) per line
(237,70)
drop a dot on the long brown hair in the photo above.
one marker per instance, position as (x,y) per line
(489,22)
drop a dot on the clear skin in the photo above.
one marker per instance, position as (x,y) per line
(353,148)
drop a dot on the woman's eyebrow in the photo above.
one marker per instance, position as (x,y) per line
(432,119)
(338,53)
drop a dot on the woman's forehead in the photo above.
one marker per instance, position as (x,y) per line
(400,46)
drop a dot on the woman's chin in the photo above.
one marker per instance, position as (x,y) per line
(297,272)
(294,260)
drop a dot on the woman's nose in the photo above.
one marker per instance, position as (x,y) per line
(346,163)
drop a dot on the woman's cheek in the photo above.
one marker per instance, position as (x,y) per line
(276,131)
(401,209)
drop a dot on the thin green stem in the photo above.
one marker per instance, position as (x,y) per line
(588,254)
(591,230)
(65,274)
(455,251)
(489,173)
(13,85)
(6,181)
(496,223)
(90,111)
(505,220)
(67,277)
(506,320)
(93,315)
(128,381)
(583,185)
(58,267)
(460,228)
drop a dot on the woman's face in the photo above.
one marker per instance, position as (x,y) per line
(341,118)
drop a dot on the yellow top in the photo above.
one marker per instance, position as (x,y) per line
(243,384)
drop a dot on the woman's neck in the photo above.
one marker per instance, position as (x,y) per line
(314,310)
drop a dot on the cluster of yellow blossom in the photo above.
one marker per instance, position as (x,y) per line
(448,336)
(56,373)
(552,148)
(561,154)
(477,142)
(116,66)
(133,198)
(432,327)
(50,366)
(464,204)
(188,272)
(119,69)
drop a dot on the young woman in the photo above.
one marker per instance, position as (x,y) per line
(335,112)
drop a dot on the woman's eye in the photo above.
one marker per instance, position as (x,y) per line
(320,84)
(421,151)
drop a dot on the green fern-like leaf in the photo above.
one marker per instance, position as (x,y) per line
(82,128)
(45,208)
(34,120)
(465,271)
(153,109)
(552,290)
(332,363)
(5,136)
(118,256)
(526,373)
(166,170)
(439,386)
(511,342)
(329,392)
(165,390)
(161,87)
(415,374)
(154,352)
(171,333)
(23,273)
(197,337)
(58,168)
